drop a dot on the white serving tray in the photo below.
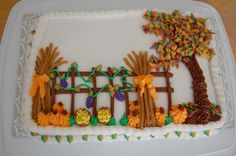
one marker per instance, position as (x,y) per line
(221,144)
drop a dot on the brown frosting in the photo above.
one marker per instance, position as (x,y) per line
(112,97)
(94,79)
(126,94)
(72,109)
(203,115)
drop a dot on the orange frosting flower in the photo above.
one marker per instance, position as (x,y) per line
(64,120)
(60,120)
(55,119)
(58,107)
(133,121)
(43,119)
(160,116)
(178,113)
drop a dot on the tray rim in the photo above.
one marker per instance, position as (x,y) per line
(19,5)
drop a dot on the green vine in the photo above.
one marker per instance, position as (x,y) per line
(98,69)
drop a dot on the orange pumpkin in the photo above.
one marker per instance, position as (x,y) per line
(178,113)
(133,107)
(160,116)
(43,119)
(133,121)
(58,107)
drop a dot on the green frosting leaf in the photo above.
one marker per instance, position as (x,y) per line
(126,137)
(215,112)
(114,136)
(139,137)
(133,89)
(191,53)
(34,134)
(206,132)
(152,136)
(57,87)
(51,75)
(33,32)
(124,120)
(85,137)
(213,105)
(192,134)
(166,135)
(100,137)
(72,120)
(111,122)
(168,120)
(58,138)
(129,73)
(63,76)
(70,138)
(94,121)
(44,138)
(178,133)
(74,65)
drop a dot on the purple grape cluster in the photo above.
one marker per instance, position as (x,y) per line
(89,102)
(119,96)
(63,83)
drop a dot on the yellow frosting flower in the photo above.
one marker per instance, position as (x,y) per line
(64,120)
(160,116)
(43,119)
(178,113)
(82,116)
(104,115)
(133,121)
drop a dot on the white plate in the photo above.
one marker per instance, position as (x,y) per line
(221,144)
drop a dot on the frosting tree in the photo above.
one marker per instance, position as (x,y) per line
(182,38)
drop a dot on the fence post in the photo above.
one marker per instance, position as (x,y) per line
(125,94)
(167,76)
(72,108)
(112,97)
(53,95)
(94,92)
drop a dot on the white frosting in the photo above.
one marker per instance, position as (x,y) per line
(68,29)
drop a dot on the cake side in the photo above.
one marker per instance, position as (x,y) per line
(118,129)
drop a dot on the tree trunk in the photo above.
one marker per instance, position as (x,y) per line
(203,114)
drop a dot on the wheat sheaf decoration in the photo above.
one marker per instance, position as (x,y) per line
(138,63)
(47,59)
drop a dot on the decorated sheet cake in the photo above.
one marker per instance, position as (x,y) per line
(121,76)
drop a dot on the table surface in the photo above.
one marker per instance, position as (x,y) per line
(224,7)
